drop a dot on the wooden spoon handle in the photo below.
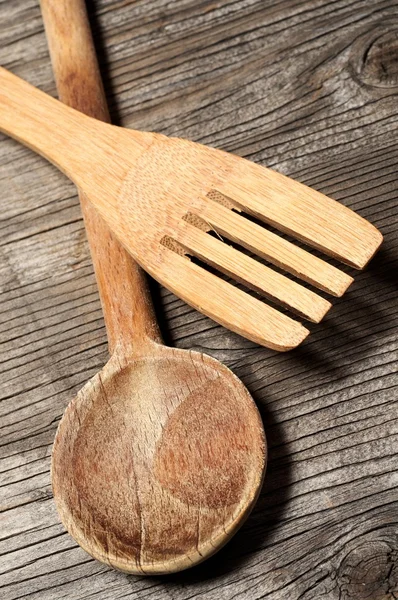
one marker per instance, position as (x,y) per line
(129,317)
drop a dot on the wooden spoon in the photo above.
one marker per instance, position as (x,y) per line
(161,456)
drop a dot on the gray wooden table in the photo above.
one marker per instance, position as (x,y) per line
(309,88)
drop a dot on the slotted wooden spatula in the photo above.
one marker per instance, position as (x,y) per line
(162,196)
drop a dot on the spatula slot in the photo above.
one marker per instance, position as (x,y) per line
(273,248)
(251,273)
(198,222)
(217,196)
(203,225)
(207,266)
(173,245)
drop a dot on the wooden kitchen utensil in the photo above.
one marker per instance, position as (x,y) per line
(162,196)
(161,456)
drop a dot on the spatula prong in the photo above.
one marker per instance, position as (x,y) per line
(303,213)
(228,305)
(252,273)
(275,249)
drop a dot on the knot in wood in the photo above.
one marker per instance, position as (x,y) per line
(369,571)
(375,59)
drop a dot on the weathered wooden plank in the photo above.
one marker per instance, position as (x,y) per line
(308,87)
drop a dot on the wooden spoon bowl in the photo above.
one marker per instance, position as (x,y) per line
(158,461)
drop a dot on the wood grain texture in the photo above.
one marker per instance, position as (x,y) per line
(308,88)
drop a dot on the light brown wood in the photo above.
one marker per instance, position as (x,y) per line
(144,185)
(161,456)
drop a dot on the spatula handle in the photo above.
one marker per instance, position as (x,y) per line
(64,136)
(127,307)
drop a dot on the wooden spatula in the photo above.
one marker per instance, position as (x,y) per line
(162,197)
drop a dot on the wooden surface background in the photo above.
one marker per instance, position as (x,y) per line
(309,88)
